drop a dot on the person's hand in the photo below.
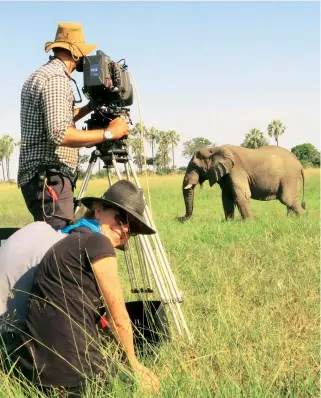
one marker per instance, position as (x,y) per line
(119,128)
(146,378)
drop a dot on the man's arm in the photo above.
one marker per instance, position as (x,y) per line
(79,113)
(79,138)
(58,121)
(74,138)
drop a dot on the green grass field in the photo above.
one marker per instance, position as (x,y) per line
(251,293)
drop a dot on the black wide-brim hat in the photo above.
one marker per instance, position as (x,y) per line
(128,197)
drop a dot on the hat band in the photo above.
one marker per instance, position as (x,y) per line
(69,41)
(73,46)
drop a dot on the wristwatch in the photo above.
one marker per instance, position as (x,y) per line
(108,135)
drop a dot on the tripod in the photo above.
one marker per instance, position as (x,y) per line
(150,254)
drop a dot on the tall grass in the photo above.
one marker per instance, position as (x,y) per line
(251,294)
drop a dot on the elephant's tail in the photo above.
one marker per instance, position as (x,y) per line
(303,185)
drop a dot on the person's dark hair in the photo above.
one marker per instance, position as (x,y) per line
(90,213)
(59,50)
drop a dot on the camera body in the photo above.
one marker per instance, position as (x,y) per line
(108,88)
(106,82)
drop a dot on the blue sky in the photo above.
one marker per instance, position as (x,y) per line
(211,69)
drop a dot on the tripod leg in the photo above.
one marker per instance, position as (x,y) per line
(147,248)
(114,163)
(159,247)
(131,269)
(127,172)
(158,273)
(163,261)
(143,267)
(109,177)
(127,250)
(116,168)
(86,180)
(161,286)
(119,177)
(140,253)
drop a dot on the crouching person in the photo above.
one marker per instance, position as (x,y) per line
(59,344)
(19,257)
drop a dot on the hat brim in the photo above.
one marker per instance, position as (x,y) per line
(78,50)
(137,223)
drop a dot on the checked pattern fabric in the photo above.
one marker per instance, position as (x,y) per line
(47,110)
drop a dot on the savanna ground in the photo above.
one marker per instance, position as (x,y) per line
(251,294)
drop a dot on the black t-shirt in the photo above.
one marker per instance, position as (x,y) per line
(63,313)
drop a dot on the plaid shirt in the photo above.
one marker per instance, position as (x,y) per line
(47,110)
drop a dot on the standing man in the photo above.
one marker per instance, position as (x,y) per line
(49,140)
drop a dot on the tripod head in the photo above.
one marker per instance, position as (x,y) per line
(100,119)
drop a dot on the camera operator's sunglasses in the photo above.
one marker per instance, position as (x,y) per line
(122,217)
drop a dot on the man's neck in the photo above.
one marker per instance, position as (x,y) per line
(70,65)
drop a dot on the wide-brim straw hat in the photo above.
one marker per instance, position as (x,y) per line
(128,197)
(70,36)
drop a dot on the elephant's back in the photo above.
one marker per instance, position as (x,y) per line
(290,161)
(269,163)
(270,156)
(276,154)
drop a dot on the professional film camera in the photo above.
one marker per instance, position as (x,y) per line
(107,85)
(107,82)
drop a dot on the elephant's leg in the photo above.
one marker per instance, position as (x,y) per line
(295,208)
(290,198)
(228,205)
(242,196)
(243,205)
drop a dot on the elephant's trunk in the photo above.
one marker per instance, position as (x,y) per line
(191,179)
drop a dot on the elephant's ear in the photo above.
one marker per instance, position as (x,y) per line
(220,163)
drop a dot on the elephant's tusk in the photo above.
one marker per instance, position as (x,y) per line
(189,186)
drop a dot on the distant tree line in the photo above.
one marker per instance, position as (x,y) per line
(255,138)
(150,148)
(154,148)
(161,144)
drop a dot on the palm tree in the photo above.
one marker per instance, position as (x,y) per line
(275,129)
(136,143)
(174,139)
(163,141)
(9,145)
(138,154)
(138,129)
(151,135)
(254,139)
(2,157)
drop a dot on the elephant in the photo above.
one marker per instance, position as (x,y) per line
(266,173)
